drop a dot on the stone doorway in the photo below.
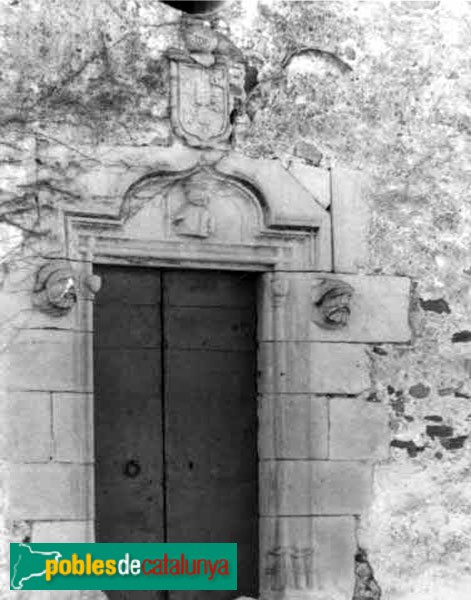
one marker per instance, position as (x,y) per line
(319,432)
(176,412)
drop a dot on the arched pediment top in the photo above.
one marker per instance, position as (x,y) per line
(282,200)
(198,203)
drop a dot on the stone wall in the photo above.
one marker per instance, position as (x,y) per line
(385,88)
(382,88)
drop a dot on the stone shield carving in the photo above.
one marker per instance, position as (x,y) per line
(200,102)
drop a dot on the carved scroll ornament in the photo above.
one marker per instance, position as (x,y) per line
(331,303)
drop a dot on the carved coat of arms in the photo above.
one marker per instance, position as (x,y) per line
(200,88)
(200,102)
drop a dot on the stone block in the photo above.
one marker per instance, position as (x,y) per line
(301,487)
(328,545)
(293,426)
(359,430)
(43,359)
(289,203)
(350,220)
(27,427)
(63,532)
(73,427)
(379,309)
(314,179)
(313,368)
(308,152)
(21,314)
(51,492)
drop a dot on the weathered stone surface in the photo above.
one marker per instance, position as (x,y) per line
(51,492)
(419,390)
(359,430)
(436,305)
(332,540)
(73,427)
(49,360)
(408,495)
(292,426)
(314,179)
(379,309)
(313,368)
(308,152)
(26,419)
(460,337)
(63,532)
(350,220)
(314,487)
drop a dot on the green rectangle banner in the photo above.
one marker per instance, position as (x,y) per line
(123,566)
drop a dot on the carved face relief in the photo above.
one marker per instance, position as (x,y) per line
(55,291)
(331,303)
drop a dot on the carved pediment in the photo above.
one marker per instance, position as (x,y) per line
(199,205)
(193,207)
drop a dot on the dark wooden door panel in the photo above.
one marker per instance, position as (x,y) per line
(128,285)
(210,328)
(210,416)
(175,419)
(128,401)
(210,288)
(129,326)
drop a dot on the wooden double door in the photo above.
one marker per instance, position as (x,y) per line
(175,413)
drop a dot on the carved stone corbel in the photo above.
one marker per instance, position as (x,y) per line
(91,285)
(331,303)
(55,289)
